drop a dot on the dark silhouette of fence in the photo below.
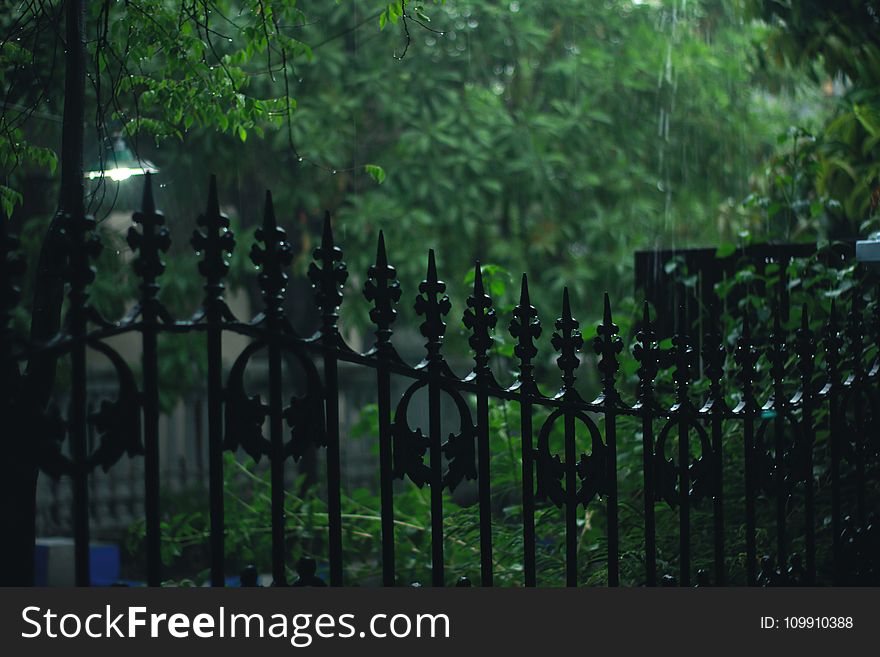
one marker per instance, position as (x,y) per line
(833,376)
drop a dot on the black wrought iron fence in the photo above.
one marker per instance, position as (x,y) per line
(821,403)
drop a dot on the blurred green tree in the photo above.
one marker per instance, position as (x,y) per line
(837,43)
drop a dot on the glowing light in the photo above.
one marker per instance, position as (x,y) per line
(118,174)
(121,174)
(121,164)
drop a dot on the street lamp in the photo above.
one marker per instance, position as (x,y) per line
(119,163)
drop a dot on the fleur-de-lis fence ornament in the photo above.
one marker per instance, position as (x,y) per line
(383,290)
(608,345)
(433,304)
(328,274)
(272,254)
(746,357)
(525,327)
(648,353)
(481,319)
(214,242)
(149,243)
(714,357)
(567,340)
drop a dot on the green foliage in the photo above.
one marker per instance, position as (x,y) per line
(552,138)
(375,172)
(836,42)
(160,69)
(786,203)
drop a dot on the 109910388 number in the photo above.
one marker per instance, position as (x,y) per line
(817,622)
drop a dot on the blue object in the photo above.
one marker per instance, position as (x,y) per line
(54,563)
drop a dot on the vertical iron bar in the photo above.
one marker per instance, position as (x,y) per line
(714,359)
(834,420)
(525,327)
(484,491)
(151,446)
(480,318)
(608,345)
(571,502)
(150,242)
(855,331)
(861,501)
(334,479)
(751,546)
(778,357)
(718,501)
(72,205)
(273,259)
(328,281)
(385,474)
(215,240)
(833,342)
(648,471)
(684,517)
(80,450)
(613,530)
(437,574)
(746,357)
(528,492)
(276,443)
(83,244)
(648,353)
(214,317)
(434,305)
(215,448)
(568,340)
(809,502)
(781,496)
(383,289)
(682,411)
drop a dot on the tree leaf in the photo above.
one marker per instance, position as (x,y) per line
(375,172)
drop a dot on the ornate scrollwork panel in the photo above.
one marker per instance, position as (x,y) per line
(794,456)
(590,468)
(118,422)
(701,474)
(410,445)
(246,413)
